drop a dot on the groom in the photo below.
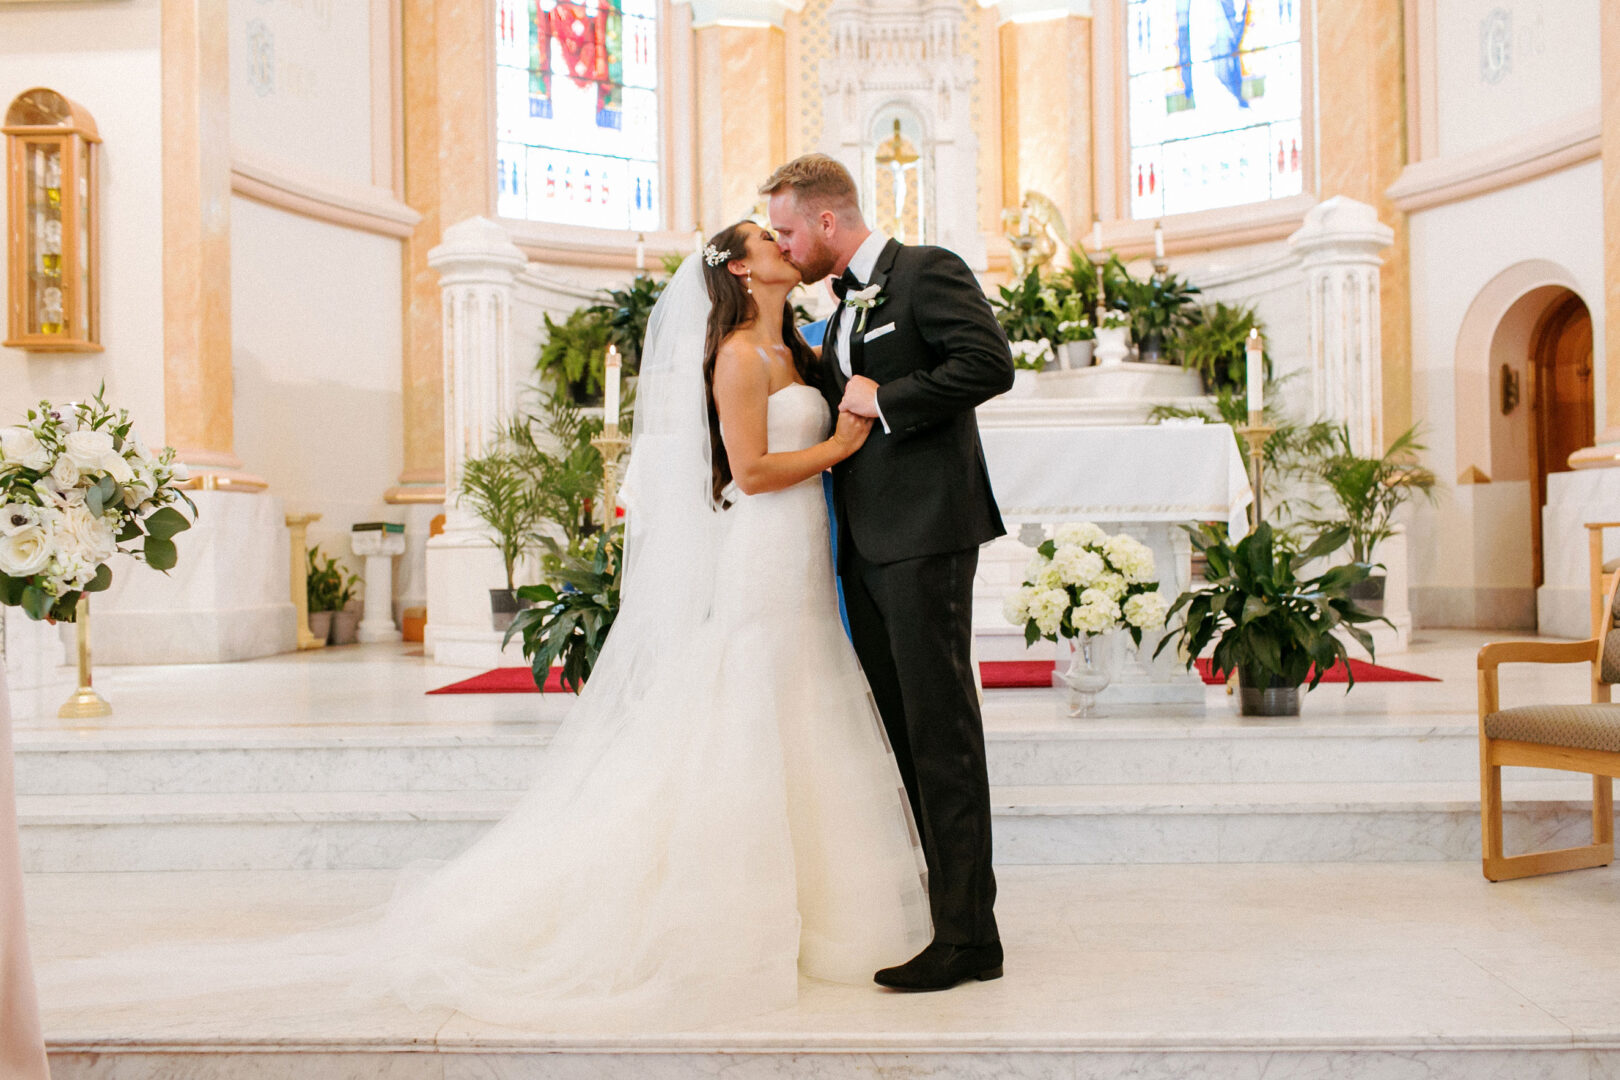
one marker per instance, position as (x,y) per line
(915,347)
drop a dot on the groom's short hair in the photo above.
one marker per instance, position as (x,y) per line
(818,182)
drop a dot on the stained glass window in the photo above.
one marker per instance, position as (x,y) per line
(576,112)
(1215,103)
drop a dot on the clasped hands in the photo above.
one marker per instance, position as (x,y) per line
(860,397)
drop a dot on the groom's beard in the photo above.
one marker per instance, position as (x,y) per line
(818,265)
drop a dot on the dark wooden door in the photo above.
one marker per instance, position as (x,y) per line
(1561,400)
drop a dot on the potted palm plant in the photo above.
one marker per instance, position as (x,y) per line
(1362,495)
(499,490)
(1277,630)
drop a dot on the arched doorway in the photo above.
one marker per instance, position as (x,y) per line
(1561,401)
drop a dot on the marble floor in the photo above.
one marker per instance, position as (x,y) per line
(1116,967)
(1208,971)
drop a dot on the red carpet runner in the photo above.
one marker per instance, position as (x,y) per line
(997,675)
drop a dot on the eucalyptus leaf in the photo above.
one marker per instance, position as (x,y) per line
(160,554)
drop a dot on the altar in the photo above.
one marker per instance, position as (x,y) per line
(1144,479)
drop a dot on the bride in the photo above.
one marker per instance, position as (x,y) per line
(720,811)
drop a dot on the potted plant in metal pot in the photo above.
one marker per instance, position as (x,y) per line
(346,616)
(499,490)
(324,588)
(1277,630)
(1157,310)
(1362,495)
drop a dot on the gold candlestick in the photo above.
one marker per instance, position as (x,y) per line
(1255,433)
(1099,259)
(612,446)
(85,704)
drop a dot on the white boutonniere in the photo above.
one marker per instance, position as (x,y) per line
(864,300)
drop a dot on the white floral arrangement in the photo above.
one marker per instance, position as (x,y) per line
(1031,355)
(78,486)
(1084,581)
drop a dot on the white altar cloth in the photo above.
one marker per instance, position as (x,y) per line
(1159,472)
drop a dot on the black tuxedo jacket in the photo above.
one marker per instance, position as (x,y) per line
(934,347)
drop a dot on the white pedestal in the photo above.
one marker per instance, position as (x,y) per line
(462,566)
(1563,603)
(38,672)
(378,548)
(227,599)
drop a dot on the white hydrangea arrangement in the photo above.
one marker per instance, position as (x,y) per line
(77,486)
(1031,355)
(1083,581)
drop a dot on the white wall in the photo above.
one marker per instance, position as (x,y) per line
(301,84)
(316,338)
(1551,67)
(112,69)
(1469,549)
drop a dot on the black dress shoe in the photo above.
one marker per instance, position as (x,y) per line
(942,966)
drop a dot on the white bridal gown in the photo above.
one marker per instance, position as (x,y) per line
(743,821)
(690,845)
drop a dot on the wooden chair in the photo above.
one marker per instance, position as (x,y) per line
(1602,573)
(1575,738)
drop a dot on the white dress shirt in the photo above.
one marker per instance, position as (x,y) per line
(861,264)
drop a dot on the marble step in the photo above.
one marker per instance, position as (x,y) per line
(1026,747)
(1072,824)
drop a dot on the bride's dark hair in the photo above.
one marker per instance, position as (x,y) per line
(731,308)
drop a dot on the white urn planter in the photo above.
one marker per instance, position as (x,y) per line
(1113,345)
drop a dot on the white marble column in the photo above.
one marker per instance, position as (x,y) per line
(1340,247)
(478,265)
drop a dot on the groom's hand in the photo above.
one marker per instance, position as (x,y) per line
(860,398)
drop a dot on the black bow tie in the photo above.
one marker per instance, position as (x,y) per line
(845,282)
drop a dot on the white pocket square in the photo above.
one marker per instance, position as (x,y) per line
(877,332)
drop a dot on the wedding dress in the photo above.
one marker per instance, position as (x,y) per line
(719,811)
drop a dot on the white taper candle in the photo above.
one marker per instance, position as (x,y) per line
(610,409)
(1255,361)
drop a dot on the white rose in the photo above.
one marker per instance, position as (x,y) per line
(115,466)
(89,449)
(1016,607)
(15,517)
(25,552)
(20,448)
(179,473)
(1077,566)
(84,534)
(1080,533)
(1046,607)
(65,473)
(1146,610)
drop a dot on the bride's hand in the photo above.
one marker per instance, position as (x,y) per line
(851,432)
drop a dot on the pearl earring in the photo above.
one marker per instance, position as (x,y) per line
(749,275)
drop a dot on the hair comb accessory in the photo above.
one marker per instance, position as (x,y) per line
(714,256)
